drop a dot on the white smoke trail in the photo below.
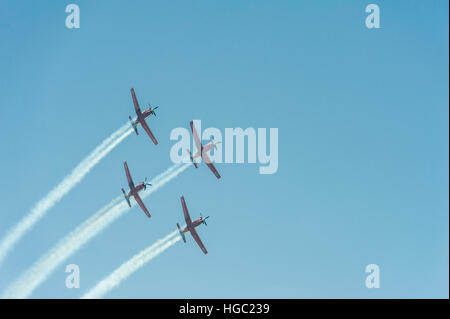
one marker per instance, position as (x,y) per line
(55,195)
(41,270)
(130,266)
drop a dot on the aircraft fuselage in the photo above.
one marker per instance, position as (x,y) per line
(144,115)
(194,224)
(205,148)
(136,189)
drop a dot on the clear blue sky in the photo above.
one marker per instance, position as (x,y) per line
(363,143)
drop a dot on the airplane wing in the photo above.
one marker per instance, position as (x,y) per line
(197,141)
(197,239)
(147,129)
(136,104)
(130,180)
(186,213)
(191,229)
(207,161)
(139,201)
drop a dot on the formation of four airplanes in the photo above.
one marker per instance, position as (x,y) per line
(202,151)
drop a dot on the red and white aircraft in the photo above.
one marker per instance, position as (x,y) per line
(141,116)
(134,190)
(202,151)
(190,226)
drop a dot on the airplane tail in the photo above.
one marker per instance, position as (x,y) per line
(126,198)
(192,159)
(182,235)
(134,126)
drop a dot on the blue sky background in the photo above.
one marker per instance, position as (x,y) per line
(363,143)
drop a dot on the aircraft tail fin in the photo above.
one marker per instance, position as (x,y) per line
(134,126)
(126,198)
(192,159)
(182,235)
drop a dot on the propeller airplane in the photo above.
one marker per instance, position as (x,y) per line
(141,116)
(134,190)
(191,225)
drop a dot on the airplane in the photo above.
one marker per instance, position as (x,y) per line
(141,116)
(202,150)
(134,190)
(190,226)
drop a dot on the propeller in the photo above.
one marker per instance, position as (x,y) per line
(153,109)
(215,144)
(146,183)
(204,219)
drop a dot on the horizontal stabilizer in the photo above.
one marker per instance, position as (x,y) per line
(182,235)
(134,126)
(126,198)
(192,159)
